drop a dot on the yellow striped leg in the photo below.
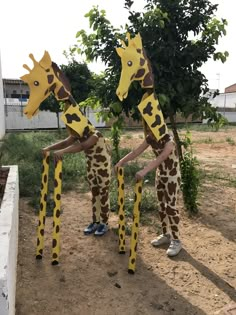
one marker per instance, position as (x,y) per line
(56,212)
(135,227)
(43,205)
(121,212)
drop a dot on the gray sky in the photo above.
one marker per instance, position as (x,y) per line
(28,26)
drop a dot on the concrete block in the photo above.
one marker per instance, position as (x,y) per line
(9,242)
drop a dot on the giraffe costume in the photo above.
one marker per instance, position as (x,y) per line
(46,78)
(136,67)
(167,187)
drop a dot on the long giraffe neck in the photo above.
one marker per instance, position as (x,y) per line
(144,74)
(60,85)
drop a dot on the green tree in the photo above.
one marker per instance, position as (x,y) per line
(179,37)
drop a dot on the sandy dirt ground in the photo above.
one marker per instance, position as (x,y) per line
(92,278)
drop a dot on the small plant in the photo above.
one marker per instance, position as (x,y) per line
(190,176)
(115,137)
(122,153)
(114,195)
(149,201)
(217,122)
(230,141)
(208,140)
(129,136)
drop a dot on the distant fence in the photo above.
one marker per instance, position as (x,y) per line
(16,120)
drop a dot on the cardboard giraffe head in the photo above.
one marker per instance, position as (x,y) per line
(136,66)
(46,78)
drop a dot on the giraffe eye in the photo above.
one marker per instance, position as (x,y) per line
(36,83)
(129,63)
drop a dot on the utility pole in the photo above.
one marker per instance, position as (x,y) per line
(218,79)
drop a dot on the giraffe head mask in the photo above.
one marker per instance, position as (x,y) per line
(42,80)
(134,66)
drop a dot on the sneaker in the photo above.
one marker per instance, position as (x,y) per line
(161,240)
(174,248)
(91,228)
(101,230)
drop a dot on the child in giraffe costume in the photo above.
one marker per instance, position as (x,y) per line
(136,66)
(46,78)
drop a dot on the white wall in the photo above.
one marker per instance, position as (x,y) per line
(2,114)
(16,120)
(9,213)
(224,100)
(43,120)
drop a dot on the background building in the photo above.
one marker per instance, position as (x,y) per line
(231,88)
(16,89)
(2,114)
(16,95)
(226,103)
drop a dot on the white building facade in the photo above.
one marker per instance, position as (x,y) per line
(2,112)
(16,94)
(226,105)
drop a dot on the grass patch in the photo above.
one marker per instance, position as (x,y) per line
(149,202)
(214,176)
(195,127)
(128,136)
(148,155)
(230,141)
(24,149)
(207,140)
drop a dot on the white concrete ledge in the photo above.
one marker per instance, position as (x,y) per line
(9,242)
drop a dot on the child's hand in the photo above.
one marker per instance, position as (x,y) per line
(45,151)
(119,164)
(140,175)
(58,155)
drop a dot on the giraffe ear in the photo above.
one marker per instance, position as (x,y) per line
(137,41)
(46,61)
(120,51)
(24,78)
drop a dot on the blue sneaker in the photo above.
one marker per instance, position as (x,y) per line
(101,230)
(91,228)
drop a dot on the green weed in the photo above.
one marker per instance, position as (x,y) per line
(190,176)
(24,149)
(128,136)
(208,140)
(230,141)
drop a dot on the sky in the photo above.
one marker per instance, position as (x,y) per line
(28,26)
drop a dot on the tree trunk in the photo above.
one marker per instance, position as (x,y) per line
(58,123)
(176,136)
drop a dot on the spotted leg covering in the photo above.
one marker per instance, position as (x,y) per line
(43,205)
(167,190)
(56,213)
(135,227)
(100,200)
(121,209)
(99,178)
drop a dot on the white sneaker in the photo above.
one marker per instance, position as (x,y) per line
(161,240)
(174,248)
